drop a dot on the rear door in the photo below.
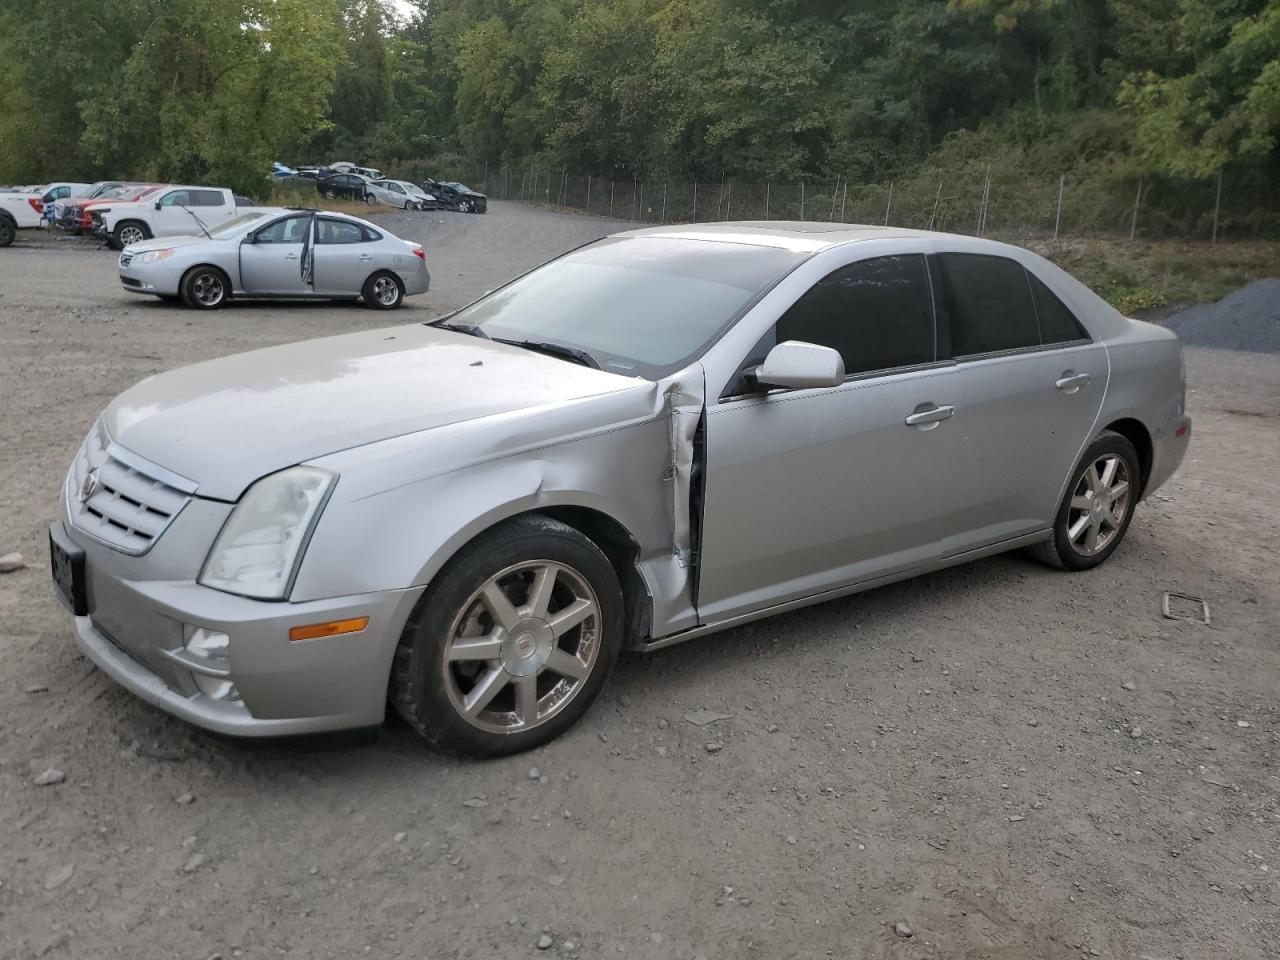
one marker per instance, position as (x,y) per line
(1031,386)
(344,257)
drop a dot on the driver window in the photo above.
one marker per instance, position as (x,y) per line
(877,313)
(176,198)
(288,230)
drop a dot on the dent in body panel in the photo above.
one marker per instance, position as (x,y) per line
(626,455)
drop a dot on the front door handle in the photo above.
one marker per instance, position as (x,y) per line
(930,416)
(1071,382)
(366,256)
(291,256)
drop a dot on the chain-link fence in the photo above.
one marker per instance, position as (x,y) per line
(983,199)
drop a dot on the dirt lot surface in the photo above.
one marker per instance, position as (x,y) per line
(1014,762)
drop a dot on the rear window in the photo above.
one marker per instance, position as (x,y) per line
(988,303)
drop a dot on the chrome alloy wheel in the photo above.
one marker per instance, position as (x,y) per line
(522,646)
(1099,505)
(130,235)
(386,291)
(207,289)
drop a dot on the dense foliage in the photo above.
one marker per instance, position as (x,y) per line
(681,89)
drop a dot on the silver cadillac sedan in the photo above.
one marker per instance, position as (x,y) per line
(659,435)
(271,252)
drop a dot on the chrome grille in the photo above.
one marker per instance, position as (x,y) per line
(121,499)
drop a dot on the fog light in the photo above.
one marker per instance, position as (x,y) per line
(215,647)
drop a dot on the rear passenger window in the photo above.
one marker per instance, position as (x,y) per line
(1057,323)
(876,313)
(338,231)
(988,302)
(207,198)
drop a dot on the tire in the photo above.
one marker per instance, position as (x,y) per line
(330,194)
(435,677)
(464,206)
(205,288)
(370,199)
(128,232)
(1101,527)
(383,291)
(8,229)
(409,205)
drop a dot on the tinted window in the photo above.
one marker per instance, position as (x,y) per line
(875,312)
(207,198)
(338,231)
(1057,323)
(988,302)
(288,230)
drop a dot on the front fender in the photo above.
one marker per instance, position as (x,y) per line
(378,535)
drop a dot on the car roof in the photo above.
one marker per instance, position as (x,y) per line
(806,235)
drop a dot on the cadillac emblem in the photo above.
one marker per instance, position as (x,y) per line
(90,485)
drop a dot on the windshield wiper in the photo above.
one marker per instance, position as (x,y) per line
(557,350)
(199,222)
(466,328)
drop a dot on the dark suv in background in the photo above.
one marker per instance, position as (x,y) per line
(456,196)
(347,186)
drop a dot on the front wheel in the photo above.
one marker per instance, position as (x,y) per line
(464,206)
(370,199)
(1098,506)
(512,642)
(128,233)
(383,291)
(205,288)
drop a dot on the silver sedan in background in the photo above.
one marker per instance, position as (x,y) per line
(279,252)
(657,436)
(402,193)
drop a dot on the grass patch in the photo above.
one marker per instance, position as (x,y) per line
(1147,274)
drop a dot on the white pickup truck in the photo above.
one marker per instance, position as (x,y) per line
(18,211)
(177,211)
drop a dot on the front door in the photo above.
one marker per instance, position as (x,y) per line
(272,264)
(1031,385)
(811,490)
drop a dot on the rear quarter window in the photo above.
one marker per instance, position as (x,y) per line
(1057,323)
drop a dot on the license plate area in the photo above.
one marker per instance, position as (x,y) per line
(68,564)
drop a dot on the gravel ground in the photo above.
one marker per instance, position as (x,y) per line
(1008,761)
(1248,319)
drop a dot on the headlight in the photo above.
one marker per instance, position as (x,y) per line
(153,256)
(257,552)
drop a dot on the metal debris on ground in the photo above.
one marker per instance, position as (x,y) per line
(1166,607)
(700,718)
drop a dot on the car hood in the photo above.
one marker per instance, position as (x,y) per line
(166,243)
(225,423)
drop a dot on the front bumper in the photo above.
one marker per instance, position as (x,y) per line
(158,279)
(135,631)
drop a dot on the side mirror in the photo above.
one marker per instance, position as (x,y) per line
(793,365)
(158,205)
(249,238)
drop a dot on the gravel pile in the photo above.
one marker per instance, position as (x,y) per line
(1248,319)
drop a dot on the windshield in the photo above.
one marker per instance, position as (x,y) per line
(639,306)
(460,187)
(234,225)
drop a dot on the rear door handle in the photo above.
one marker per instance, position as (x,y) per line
(930,416)
(1071,382)
(291,256)
(366,256)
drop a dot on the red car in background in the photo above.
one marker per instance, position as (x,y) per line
(76,215)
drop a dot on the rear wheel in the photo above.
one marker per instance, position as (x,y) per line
(1098,506)
(205,288)
(512,642)
(383,291)
(129,232)
(8,229)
